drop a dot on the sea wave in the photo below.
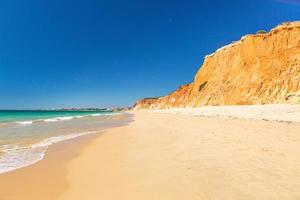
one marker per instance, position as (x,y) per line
(13,157)
(25,123)
(55,119)
(64,118)
(95,115)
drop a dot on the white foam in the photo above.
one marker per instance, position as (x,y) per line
(95,115)
(56,119)
(66,118)
(15,157)
(25,123)
(56,139)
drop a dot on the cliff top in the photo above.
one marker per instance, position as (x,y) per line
(285,25)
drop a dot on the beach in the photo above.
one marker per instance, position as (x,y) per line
(271,112)
(168,156)
(43,175)
(150,100)
(45,179)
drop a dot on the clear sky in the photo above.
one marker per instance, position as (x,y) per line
(64,53)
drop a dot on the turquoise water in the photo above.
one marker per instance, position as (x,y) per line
(33,115)
(26,135)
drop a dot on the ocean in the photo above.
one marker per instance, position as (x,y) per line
(26,135)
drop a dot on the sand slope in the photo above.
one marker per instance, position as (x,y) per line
(169,157)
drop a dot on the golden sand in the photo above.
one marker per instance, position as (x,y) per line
(44,180)
(169,157)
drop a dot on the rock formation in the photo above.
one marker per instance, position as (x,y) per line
(262,68)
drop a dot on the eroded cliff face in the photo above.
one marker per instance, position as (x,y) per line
(258,69)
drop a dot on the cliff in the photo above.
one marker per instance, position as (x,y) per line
(261,68)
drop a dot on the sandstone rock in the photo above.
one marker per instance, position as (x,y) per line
(262,68)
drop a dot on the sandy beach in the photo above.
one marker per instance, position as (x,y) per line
(165,156)
(272,112)
(168,156)
(46,179)
(150,100)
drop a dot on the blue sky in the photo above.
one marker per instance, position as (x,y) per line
(78,53)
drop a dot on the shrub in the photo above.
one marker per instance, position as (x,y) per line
(261,32)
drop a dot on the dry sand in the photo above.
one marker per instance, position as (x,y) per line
(275,112)
(169,157)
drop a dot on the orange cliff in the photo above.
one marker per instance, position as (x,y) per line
(262,68)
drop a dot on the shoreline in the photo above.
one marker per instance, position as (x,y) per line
(170,157)
(45,179)
(167,156)
(54,119)
(17,154)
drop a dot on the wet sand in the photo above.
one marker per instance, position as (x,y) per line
(45,180)
(169,157)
